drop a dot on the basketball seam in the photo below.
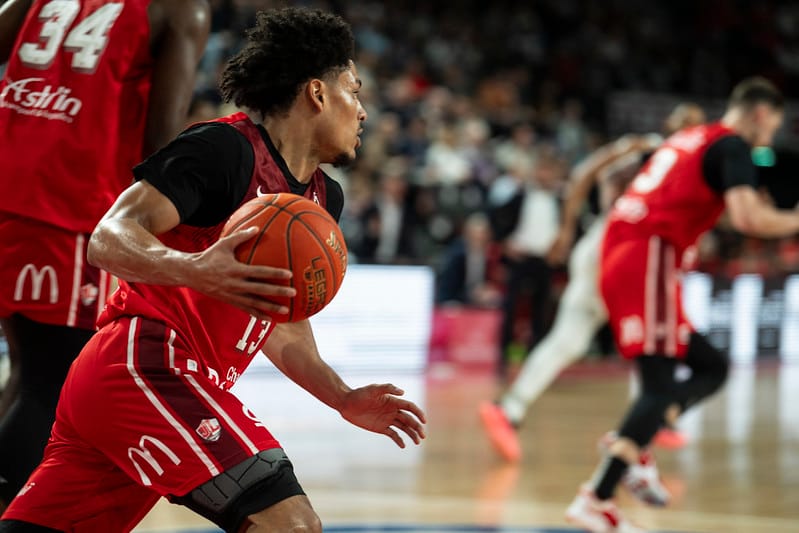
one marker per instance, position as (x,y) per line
(280,209)
(251,216)
(322,243)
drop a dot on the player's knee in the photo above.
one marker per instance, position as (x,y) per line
(298,518)
(703,357)
(248,489)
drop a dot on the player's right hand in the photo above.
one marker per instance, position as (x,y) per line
(217,273)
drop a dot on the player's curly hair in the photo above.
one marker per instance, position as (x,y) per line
(286,48)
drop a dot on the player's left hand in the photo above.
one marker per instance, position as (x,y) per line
(378,408)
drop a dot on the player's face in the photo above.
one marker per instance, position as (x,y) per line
(767,121)
(346,116)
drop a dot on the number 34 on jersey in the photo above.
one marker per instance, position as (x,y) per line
(86,40)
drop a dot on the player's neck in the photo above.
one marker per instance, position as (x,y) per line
(292,141)
(732,119)
(735,120)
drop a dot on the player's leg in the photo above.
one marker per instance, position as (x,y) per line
(631,286)
(11,387)
(540,275)
(218,459)
(49,298)
(516,276)
(260,494)
(44,353)
(578,318)
(293,514)
(565,343)
(709,370)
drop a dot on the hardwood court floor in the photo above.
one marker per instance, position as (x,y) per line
(740,473)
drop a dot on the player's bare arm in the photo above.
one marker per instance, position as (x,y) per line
(179,33)
(583,178)
(125,244)
(751,214)
(378,408)
(12,15)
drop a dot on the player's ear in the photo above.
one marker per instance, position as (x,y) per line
(316,93)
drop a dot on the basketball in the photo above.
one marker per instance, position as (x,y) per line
(298,235)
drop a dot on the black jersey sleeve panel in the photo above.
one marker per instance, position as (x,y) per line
(335,197)
(205,172)
(728,163)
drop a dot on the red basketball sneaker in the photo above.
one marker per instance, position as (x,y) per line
(500,432)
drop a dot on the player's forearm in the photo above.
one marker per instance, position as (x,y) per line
(751,215)
(124,248)
(768,222)
(292,349)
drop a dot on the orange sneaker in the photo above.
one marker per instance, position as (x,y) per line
(670,439)
(500,432)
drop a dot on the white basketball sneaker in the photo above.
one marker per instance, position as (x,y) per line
(598,516)
(643,481)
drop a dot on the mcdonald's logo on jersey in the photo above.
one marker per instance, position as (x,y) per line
(142,452)
(37,277)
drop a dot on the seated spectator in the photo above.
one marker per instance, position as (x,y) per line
(471,271)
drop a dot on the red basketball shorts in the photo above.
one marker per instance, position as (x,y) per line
(44,274)
(640,282)
(138,418)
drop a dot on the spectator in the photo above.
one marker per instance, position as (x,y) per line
(531,221)
(471,272)
(387,223)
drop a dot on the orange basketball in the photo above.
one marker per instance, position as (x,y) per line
(298,235)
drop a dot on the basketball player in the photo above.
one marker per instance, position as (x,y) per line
(146,409)
(678,195)
(581,312)
(90,88)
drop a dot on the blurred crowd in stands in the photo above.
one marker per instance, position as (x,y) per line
(472,103)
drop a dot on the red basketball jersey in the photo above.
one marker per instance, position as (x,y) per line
(224,338)
(73,104)
(670,197)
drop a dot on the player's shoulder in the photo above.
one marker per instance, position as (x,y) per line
(187,16)
(213,131)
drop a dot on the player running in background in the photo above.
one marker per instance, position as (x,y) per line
(580,312)
(678,195)
(146,409)
(90,88)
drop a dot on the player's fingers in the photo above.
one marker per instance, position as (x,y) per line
(258,306)
(393,435)
(412,423)
(407,405)
(238,237)
(261,289)
(265,272)
(404,422)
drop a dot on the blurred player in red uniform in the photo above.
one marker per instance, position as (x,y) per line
(89,88)
(189,318)
(678,195)
(610,168)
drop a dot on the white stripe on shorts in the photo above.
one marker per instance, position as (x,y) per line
(182,431)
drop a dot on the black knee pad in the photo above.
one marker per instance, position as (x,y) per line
(645,417)
(704,358)
(18,526)
(249,487)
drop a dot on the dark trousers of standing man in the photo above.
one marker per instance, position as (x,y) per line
(528,277)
